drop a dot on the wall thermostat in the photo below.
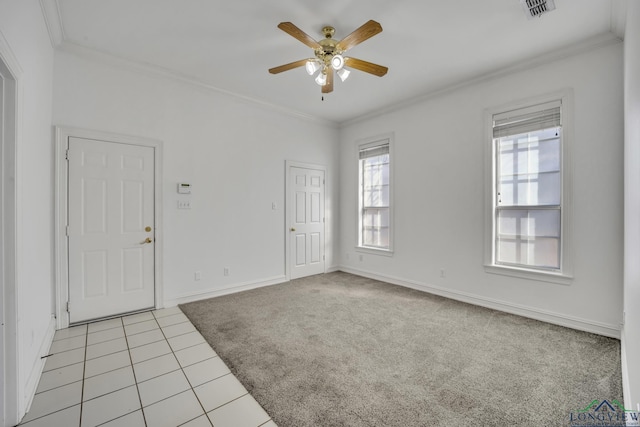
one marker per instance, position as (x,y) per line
(184,188)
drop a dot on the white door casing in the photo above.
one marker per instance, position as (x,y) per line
(12,407)
(306,220)
(111,228)
(2,255)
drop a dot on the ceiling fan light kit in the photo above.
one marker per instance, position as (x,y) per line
(312,66)
(329,54)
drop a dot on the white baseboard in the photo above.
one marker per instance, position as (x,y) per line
(36,370)
(599,328)
(232,289)
(333,269)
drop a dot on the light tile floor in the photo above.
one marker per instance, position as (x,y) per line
(151,369)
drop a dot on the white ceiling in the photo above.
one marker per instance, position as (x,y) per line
(230,45)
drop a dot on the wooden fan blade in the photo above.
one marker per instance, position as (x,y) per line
(297,33)
(367,67)
(363,33)
(328,86)
(287,67)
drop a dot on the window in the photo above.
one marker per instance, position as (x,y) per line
(528,186)
(374,169)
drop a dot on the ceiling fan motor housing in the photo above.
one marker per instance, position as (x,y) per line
(328,47)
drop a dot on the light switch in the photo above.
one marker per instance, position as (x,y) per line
(184,204)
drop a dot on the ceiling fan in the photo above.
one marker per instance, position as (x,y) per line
(329,54)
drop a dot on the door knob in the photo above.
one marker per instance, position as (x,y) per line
(293,229)
(147,240)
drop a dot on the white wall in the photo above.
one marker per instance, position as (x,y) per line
(631,331)
(233,153)
(23,27)
(439,194)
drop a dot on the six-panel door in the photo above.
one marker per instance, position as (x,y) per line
(307,222)
(111,228)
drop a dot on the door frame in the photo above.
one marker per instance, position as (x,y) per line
(63,133)
(288,202)
(10,78)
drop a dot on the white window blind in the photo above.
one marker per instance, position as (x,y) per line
(374,151)
(523,120)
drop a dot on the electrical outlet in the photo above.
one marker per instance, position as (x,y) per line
(197,276)
(226,271)
(442,273)
(274,206)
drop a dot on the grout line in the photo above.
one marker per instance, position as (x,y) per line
(84,371)
(157,376)
(200,361)
(191,346)
(110,371)
(61,366)
(152,342)
(193,419)
(109,340)
(144,418)
(110,352)
(184,373)
(151,358)
(122,416)
(106,329)
(72,336)
(139,323)
(214,379)
(61,385)
(113,391)
(47,415)
(169,397)
(233,400)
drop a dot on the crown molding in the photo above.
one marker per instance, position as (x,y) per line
(619,17)
(587,45)
(53,19)
(157,71)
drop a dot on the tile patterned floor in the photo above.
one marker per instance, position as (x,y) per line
(151,369)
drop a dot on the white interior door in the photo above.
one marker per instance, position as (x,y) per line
(306,231)
(110,228)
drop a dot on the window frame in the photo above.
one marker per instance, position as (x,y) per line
(360,145)
(563,275)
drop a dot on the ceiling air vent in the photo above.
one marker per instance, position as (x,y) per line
(535,8)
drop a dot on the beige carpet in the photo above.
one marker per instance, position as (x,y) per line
(342,350)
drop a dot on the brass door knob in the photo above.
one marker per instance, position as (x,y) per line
(147,240)
(293,229)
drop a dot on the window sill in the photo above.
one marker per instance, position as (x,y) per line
(523,273)
(373,251)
